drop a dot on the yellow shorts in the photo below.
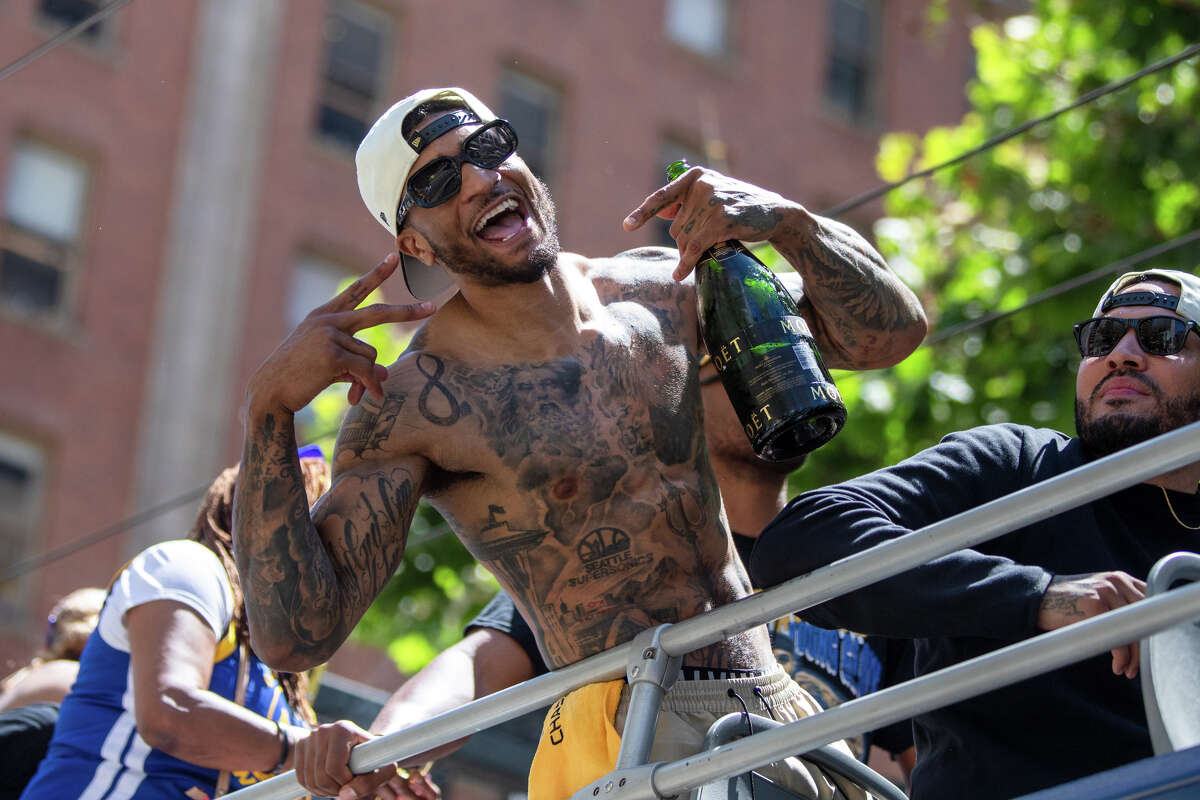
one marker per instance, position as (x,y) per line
(580,739)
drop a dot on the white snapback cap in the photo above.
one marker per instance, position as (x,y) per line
(1186,305)
(384,160)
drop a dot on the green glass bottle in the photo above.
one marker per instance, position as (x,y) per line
(764,352)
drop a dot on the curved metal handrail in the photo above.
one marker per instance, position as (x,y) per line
(1170,668)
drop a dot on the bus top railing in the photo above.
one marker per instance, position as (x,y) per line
(1073,488)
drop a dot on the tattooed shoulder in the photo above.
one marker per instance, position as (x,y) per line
(415,388)
(642,266)
(643,277)
(367,427)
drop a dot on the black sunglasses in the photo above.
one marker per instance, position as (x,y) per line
(1157,336)
(440,179)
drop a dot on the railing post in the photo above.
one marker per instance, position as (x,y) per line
(651,672)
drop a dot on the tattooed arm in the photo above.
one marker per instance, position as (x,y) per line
(1074,598)
(861,314)
(308,580)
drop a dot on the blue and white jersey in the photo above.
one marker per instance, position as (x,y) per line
(835,666)
(96,752)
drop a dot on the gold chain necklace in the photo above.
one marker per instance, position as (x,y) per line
(1171,508)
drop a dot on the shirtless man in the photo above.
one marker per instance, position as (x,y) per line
(498,649)
(538,419)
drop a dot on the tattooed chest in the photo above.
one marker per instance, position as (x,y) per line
(609,404)
(592,571)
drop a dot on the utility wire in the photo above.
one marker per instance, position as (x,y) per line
(41,560)
(145,515)
(1066,286)
(879,191)
(61,37)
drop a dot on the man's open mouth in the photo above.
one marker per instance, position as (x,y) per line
(501,222)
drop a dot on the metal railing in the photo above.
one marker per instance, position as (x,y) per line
(1008,665)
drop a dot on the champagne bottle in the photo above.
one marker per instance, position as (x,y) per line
(764,352)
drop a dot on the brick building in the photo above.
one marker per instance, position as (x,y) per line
(177,188)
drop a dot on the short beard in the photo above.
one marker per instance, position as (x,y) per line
(1117,431)
(460,261)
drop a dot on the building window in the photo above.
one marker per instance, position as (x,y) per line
(22,479)
(43,216)
(356,39)
(671,150)
(850,68)
(699,25)
(65,13)
(533,107)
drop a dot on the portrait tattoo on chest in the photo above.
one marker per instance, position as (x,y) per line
(542,407)
(597,508)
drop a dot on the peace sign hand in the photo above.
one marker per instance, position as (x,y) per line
(708,208)
(322,349)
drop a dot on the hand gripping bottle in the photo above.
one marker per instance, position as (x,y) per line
(764,352)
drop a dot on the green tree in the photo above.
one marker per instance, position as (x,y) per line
(1095,185)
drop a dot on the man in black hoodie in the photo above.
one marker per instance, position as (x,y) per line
(1139,377)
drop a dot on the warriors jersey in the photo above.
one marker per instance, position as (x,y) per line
(838,665)
(96,752)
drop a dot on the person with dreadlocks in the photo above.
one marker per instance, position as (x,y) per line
(171,701)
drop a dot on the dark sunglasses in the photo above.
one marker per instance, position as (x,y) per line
(1157,336)
(440,179)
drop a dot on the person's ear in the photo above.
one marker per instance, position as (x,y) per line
(411,243)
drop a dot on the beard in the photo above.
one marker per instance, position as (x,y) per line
(1117,431)
(461,260)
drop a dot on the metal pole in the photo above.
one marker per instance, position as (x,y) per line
(463,721)
(1076,487)
(935,690)
(651,672)
(1068,490)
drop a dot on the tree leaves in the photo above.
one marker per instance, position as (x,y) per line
(1086,189)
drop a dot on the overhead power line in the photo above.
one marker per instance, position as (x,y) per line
(1095,94)
(42,559)
(23,566)
(1066,286)
(61,37)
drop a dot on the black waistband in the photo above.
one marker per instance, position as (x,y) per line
(707,674)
